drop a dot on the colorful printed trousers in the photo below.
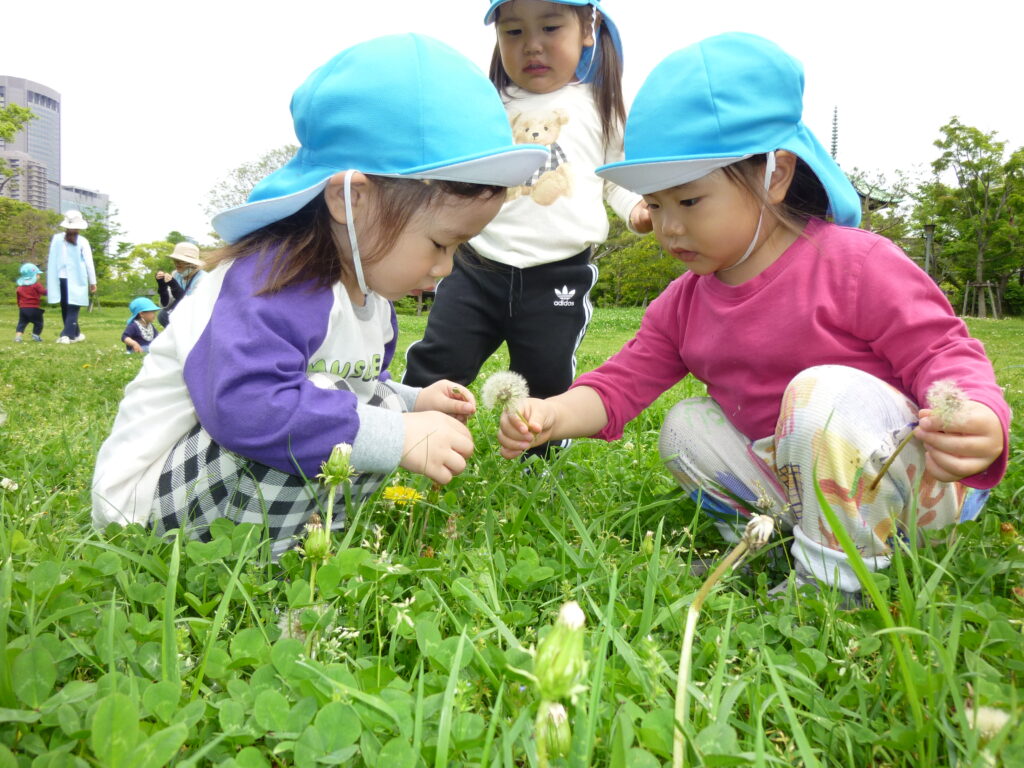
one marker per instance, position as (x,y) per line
(837,426)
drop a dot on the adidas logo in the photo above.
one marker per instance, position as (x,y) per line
(565,295)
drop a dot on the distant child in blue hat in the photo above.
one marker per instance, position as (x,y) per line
(282,352)
(819,343)
(30,290)
(526,279)
(140,330)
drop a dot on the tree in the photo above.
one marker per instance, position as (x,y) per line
(25,232)
(235,188)
(12,120)
(103,228)
(978,220)
(633,268)
(174,237)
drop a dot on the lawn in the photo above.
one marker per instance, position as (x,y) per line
(413,644)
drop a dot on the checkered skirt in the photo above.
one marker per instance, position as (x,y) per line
(202,481)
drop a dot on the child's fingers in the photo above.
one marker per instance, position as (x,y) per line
(949,468)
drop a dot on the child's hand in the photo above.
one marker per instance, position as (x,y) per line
(516,435)
(954,455)
(447,397)
(640,218)
(436,445)
(133,344)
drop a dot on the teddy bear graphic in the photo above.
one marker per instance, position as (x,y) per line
(553,179)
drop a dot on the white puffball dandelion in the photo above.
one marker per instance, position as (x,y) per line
(759,531)
(987,721)
(946,400)
(8,485)
(505,391)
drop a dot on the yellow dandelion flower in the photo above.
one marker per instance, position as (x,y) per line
(402,495)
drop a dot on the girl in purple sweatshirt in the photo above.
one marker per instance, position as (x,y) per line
(282,351)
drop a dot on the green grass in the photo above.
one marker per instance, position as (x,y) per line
(120,649)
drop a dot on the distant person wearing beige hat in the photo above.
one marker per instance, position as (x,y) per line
(176,285)
(70,274)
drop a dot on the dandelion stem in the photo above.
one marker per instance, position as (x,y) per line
(888,462)
(686,655)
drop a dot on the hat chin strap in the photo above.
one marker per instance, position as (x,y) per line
(769,169)
(357,262)
(593,48)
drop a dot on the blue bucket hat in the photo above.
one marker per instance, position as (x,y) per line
(586,69)
(141,304)
(715,103)
(28,274)
(404,106)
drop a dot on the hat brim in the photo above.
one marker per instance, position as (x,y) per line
(76,224)
(187,259)
(647,175)
(503,168)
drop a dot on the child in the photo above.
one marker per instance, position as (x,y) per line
(282,351)
(70,275)
(140,331)
(176,285)
(817,341)
(526,279)
(29,311)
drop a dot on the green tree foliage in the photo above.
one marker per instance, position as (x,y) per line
(977,218)
(12,120)
(174,237)
(133,272)
(633,268)
(234,189)
(25,234)
(103,229)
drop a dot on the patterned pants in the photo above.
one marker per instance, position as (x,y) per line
(202,481)
(840,424)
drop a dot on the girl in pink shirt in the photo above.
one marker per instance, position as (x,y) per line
(818,342)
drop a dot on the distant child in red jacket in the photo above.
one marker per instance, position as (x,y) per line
(29,292)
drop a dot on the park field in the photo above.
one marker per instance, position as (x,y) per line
(412,645)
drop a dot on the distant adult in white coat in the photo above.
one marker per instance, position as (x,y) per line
(70,274)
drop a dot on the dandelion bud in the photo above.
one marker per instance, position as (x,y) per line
(1007,532)
(946,400)
(647,547)
(338,466)
(560,661)
(317,545)
(555,729)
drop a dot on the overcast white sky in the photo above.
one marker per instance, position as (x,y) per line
(161,100)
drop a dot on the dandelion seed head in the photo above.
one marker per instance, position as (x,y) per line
(504,390)
(759,531)
(987,721)
(572,616)
(946,400)
(8,485)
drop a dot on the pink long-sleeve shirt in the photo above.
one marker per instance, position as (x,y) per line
(837,296)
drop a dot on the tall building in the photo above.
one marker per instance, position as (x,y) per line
(79,199)
(35,150)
